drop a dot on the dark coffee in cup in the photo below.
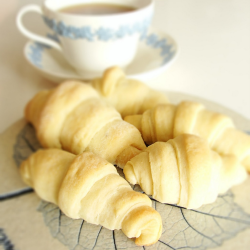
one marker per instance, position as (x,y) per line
(96,9)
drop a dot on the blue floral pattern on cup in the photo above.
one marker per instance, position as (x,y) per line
(36,50)
(35,54)
(166,52)
(151,40)
(101,33)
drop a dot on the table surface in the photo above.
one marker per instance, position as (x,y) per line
(214,60)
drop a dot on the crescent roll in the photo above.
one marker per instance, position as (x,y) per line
(184,171)
(165,122)
(88,187)
(74,118)
(128,96)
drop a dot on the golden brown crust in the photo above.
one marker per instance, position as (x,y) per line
(126,155)
(128,96)
(89,187)
(146,231)
(74,118)
(167,121)
(184,171)
(35,106)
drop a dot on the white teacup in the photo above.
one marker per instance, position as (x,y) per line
(92,43)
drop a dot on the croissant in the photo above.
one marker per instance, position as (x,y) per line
(165,122)
(184,171)
(128,96)
(88,187)
(73,117)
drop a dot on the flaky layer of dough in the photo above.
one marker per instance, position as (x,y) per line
(128,96)
(184,171)
(165,122)
(89,187)
(73,117)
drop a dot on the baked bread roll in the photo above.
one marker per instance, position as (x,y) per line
(168,121)
(88,187)
(128,96)
(74,118)
(184,171)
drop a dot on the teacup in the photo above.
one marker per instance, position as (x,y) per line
(91,42)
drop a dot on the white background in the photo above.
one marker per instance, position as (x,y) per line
(214,60)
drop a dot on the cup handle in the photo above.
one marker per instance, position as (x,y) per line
(30,35)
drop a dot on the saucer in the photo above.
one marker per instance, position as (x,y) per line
(155,53)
